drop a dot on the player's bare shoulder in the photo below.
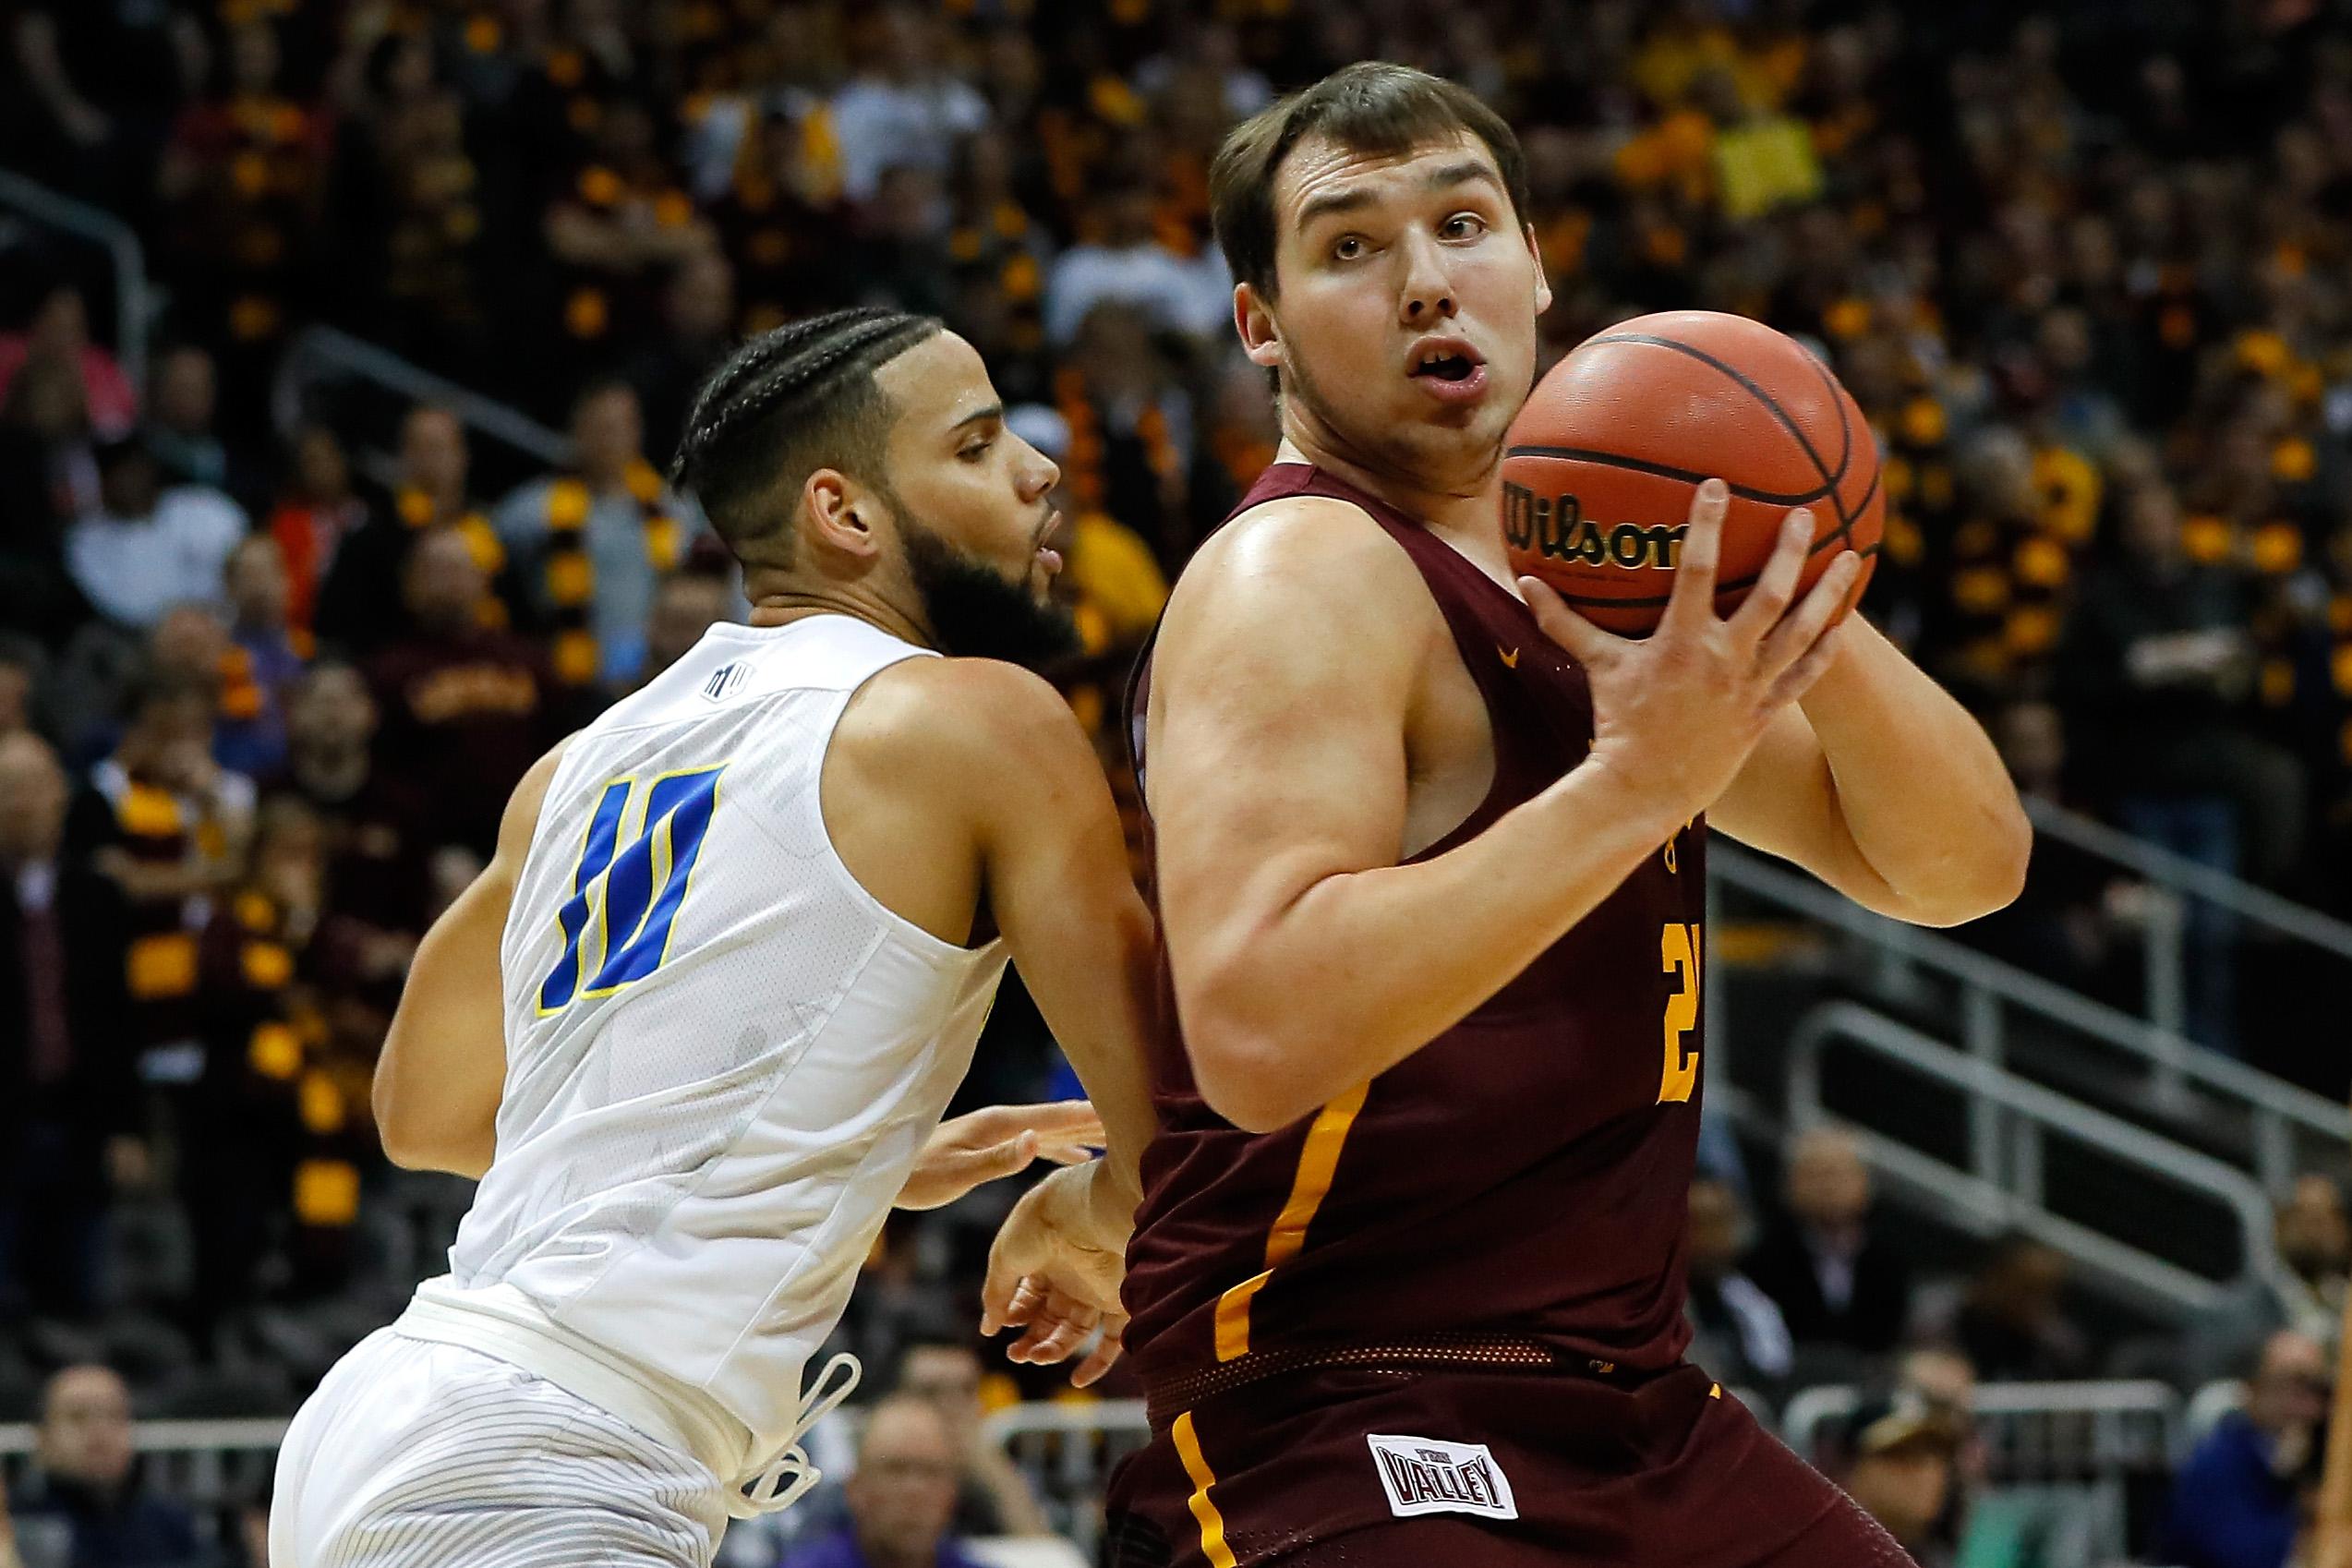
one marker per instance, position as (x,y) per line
(930,761)
(938,718)
(1298,579)
(1295,547)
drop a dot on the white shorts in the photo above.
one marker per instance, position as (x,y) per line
(419,1455)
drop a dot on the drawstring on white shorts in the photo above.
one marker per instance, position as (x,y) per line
(789,1477)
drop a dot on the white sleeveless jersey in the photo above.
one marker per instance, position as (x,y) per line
(723,1054)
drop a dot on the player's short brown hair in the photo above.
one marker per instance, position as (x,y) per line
(1372,107)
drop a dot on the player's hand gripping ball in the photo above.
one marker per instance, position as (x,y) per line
(1601,464)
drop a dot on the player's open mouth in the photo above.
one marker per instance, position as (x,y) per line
(1448,369)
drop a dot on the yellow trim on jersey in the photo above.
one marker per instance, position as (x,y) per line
(1318,1162)
(1233,1316)
(1213,1524)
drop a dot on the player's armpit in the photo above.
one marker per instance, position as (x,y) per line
(443,1066)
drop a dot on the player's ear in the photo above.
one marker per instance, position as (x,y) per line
(1261,338)
(1543,280)
(839,512)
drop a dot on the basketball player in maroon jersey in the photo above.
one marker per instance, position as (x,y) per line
(1406,1282)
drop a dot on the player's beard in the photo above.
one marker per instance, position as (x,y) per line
(975,611)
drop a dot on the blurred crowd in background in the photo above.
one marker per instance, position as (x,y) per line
(269,667)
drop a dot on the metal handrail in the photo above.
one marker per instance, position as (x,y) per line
(123,250)
(1991,982)
(2182,874)
(1059,1418)
(2002,1188)
(329,345)
(1810,1409)
(2066,1452)
(1071,1449)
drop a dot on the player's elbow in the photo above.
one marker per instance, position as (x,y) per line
(1248,1074)
(1986,875)
(407,1137)
(405,1143)
(418,1138)
(414,1148)
(1238,1086)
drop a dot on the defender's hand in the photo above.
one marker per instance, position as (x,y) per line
(1054,1273)
(999,1141)
(1677,713)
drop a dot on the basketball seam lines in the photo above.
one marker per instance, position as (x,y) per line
(1844,530)
(1845,434)
(1804,442)
(1841,534)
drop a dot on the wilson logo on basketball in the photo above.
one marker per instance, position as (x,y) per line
(1556,528)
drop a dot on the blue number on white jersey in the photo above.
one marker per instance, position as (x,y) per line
(629,894)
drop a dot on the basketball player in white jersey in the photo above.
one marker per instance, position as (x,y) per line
(694,1026)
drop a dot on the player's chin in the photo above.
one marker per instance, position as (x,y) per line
(1464,445)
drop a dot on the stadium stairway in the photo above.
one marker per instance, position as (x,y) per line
(1990,1099)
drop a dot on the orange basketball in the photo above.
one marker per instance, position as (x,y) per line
(1600,468)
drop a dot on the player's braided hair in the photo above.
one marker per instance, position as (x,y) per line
(787,403)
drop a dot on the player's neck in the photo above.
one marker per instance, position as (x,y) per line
(781,604)
(1472,523)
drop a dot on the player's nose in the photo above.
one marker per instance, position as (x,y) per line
(1039,475)
(1428,294)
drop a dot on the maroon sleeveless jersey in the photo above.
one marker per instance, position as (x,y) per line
(1520,1178)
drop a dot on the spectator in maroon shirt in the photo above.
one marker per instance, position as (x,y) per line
(465,707)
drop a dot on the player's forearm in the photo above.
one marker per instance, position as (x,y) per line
(1920,788)
(1366,968)
(1091,971)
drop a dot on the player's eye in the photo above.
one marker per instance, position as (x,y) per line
(974,452)
(1462,225)
(1348,247)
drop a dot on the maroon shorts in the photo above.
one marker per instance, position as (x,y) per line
(1348,1468)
